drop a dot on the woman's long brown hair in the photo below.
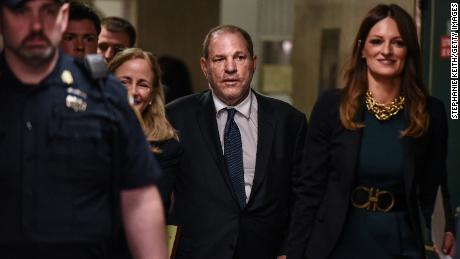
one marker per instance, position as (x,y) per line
(412,87)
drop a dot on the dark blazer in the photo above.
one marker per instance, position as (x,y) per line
(213,225)
(169,159)
(329,174)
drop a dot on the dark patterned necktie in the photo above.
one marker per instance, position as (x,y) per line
(233,153)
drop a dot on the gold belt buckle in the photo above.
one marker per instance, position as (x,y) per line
(372,204)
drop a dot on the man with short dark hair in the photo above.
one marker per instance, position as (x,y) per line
(242,152)
(72,153)
(80,37)
(116,35)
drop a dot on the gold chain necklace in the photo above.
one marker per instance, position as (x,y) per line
(381,111)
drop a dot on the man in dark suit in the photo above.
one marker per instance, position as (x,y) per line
(242,151)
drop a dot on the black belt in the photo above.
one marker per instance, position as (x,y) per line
(377,199)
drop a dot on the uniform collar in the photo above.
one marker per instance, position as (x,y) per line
(54,77)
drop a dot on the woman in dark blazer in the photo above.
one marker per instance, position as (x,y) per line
(375,153)
(139,71)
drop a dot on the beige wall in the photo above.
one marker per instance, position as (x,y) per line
(177,28)
(311,17)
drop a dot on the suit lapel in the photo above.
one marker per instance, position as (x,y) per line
(210,133)
(351,159)
(408,158)
(265,131)
(351,156)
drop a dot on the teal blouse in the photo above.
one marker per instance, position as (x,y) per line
(378,235)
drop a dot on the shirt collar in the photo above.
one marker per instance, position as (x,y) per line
(244,107)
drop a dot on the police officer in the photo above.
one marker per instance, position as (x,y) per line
(71,149)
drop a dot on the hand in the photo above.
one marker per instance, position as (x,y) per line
(281,257)
(448,245)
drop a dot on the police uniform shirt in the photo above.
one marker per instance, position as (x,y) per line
(65,149)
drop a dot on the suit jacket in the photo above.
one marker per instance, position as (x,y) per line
(213,224)
(329,176)
(168,159)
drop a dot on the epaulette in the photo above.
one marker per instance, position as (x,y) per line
(94,66)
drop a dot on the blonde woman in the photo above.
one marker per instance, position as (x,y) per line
(139,71)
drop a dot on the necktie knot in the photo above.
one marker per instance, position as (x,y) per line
(230,113)
(230,120)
